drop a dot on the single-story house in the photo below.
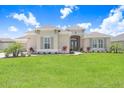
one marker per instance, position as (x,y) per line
(74,38)
(53,39)
(5,42)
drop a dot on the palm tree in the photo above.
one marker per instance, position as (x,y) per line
(15,49)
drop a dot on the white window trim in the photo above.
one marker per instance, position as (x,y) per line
(96,41)
(44,41)
(101,43)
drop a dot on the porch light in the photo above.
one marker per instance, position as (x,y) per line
(56,30)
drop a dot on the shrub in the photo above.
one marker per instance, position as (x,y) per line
(116,48)
(56,53)
(49,52)
(44,52)
(14,49)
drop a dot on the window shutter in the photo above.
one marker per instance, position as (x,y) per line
(52,43)
(41,45)
(91,43)
(104,42)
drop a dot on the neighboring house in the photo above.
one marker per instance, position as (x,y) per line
(119,39)
(5,42)
(23,41)
(53,39)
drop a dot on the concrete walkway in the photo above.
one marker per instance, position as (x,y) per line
(77,53)
(2,55)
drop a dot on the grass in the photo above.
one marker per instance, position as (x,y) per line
(86,70)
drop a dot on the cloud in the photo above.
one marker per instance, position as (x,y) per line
(113,24)
(12,29)
(5,35)
(63,27)
(84,25)
(28,20)
(30,29)
(67,10)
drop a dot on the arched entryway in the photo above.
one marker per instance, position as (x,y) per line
(75,43)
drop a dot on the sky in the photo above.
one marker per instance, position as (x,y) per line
(16,20)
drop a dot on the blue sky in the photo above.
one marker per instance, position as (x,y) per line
(16,20)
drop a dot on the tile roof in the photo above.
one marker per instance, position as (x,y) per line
(6,40)
(95,34)
(118,37)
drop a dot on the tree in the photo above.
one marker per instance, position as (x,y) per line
(14,48)
(116,47)
(7,52)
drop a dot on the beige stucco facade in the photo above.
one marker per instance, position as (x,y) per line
(88,44)
(52,39)
(64,40)
(59,39)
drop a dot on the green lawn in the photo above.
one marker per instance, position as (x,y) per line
(86,70)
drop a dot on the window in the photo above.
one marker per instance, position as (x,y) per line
(94,43)
(47,43)
(100,43)
(97,43)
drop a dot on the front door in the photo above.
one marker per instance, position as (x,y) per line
(75,43)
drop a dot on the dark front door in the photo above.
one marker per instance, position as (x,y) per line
(75,43)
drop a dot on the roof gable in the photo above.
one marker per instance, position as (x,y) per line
(95,35)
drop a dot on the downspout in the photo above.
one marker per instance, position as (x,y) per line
(58,40)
